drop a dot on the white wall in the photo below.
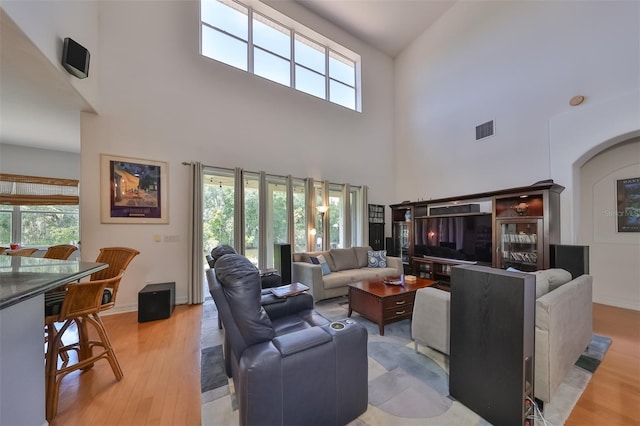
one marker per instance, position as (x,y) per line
(519,63)
(160,100)
(47,23)
(614,254)
(22,160)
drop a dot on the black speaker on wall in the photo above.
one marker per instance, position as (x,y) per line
(282,261)
(574,259)
(75,58)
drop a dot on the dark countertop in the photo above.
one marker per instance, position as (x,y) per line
(24,277)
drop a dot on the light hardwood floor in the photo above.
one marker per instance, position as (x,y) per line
(613,394)
(161,384)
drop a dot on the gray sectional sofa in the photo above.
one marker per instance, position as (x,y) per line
(563,329)
(347,266)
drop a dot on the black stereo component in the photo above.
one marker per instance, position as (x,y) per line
(455,209)
(491,360)
(156,301)
(574,259)
(282,261)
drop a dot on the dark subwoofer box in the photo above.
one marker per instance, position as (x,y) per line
(156,301)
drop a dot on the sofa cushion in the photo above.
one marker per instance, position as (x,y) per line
(322,261)
(306,257)
(340,279)
(362,255)
(344,259)
(557,277)
(377,259)
(542,283)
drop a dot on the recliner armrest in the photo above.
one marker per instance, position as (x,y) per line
(301,340)
(279,307)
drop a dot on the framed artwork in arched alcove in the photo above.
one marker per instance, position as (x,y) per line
(628,196)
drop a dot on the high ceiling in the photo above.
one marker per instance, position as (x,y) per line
(40,108)
(388,25)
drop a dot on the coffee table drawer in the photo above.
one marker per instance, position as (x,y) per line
(398,306)
(399,300)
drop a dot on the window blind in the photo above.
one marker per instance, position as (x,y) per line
(34,190)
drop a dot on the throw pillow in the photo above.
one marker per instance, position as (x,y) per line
(344,259)
(377,259)
(558,276)
(542,283)
(320,260)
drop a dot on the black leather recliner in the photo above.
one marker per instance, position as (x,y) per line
(290,365)
(268,279)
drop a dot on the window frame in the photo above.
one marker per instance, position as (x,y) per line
(331,48)
(17,214)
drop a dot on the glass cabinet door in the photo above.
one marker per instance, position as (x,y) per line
(401,240)
(520,244)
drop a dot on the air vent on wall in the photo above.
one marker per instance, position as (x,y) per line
(484,130)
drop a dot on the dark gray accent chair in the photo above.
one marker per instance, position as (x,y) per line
(289,365)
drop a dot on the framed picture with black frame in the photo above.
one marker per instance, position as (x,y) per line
(133,190)
(628,197)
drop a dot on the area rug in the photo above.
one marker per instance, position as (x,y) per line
(405,387)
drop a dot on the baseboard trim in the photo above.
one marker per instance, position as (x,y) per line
(618,303)
(133,307)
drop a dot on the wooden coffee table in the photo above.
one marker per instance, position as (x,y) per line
(384,303)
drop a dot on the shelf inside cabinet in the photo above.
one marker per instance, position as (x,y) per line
(521,206)
(436,268)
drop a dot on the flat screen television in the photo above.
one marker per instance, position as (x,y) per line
(463,237)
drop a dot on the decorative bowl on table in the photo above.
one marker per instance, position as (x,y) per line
(393,280)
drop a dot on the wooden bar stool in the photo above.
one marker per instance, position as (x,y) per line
(61,251)
(118,259)
(25,252)
(79,303)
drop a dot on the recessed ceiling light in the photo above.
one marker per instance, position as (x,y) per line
(576,100)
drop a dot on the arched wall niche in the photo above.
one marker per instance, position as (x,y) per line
(576,138)
(614,254)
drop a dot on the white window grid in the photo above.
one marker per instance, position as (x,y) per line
(328,53)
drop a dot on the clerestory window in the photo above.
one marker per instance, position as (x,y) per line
(268,44)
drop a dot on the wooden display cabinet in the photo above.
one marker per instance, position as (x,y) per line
(402,233)
(520,241)
(525,225)
(376,226)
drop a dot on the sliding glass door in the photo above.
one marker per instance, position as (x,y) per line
(253,211)
(218,208)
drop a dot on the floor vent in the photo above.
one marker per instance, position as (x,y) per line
(484,130)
